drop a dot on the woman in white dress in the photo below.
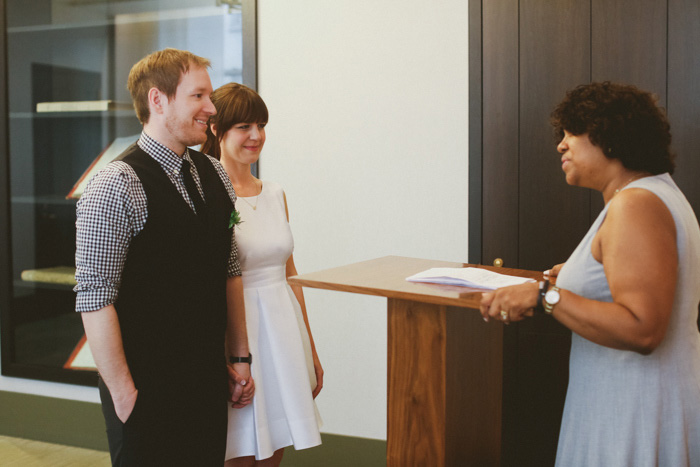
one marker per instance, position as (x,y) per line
(285,366)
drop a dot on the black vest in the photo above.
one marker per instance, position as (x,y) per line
(172,299)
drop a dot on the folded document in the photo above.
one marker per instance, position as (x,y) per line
(468,277)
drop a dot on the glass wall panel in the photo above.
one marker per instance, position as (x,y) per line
(67,64)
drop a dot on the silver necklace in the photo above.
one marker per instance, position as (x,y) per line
(627,183)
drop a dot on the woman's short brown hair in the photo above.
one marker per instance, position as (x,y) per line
(622,120)
(161,70)
(235,103)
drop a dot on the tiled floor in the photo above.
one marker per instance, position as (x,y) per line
(25,453)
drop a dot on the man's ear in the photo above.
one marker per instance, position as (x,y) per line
(156,99)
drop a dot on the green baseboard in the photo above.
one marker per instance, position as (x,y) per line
(80,424)
(338,451)
(51,420)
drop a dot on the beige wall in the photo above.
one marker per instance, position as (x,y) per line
(368,136)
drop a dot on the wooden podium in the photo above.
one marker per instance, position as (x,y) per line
(445,369)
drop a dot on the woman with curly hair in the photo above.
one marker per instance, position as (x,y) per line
(629,292)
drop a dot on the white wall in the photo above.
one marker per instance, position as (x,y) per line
(368,136)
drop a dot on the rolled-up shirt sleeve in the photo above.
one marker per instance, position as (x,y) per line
(104,228)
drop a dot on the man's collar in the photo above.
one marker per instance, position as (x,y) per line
(162,154)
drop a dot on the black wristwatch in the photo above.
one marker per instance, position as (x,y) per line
(539,308)
(248,359)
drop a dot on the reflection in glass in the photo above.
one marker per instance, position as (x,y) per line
(68,102)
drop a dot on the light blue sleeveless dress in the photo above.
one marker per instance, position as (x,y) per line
(627,409)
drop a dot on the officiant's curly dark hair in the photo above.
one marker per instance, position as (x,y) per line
(624,121)
(235,103)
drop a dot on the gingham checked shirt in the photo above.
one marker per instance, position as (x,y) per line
(112,211)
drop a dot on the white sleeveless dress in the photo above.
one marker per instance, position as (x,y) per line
(283,412)
(624,409)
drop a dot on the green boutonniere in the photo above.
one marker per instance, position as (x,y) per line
(235,219)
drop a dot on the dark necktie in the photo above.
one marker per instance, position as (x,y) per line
(192,188)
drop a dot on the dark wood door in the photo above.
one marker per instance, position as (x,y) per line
(524,56)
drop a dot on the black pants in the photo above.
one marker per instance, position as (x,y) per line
(167,429)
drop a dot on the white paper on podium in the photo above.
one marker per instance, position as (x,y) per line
(468,277)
